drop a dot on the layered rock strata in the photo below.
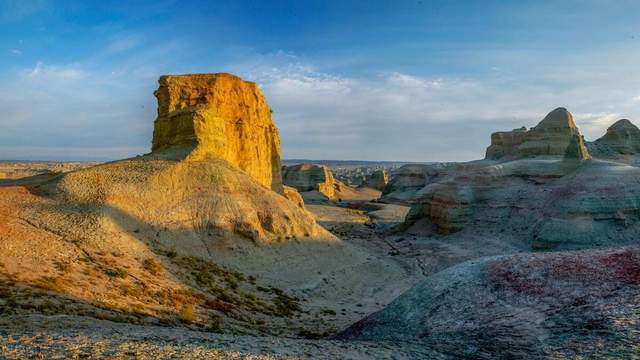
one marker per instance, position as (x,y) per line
(549,138)
(221,116)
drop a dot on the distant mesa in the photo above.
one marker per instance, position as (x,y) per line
(311,177)
(220,116)
(549,138)
(623,137)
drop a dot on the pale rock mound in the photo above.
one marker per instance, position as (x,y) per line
(623,137)
(409,179)
(221,116)
(549,138)
(310,177)
(565,203)
(533,306)
(195,198)
(377,180)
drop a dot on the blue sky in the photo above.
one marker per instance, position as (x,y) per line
(371,80)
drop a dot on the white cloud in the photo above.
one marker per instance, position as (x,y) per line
(594,125)
(15,51)
(42,72)
(396,115)
(66,112)
(389,115)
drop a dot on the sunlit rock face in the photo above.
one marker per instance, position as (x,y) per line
(214,162)
(577,150)
(222,116)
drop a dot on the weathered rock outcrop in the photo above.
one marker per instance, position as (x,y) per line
(410,178)
(621,138)
(519,306)
(564,198)
(505,143)
(549,138)
(214,162)
(377,180)
(310,177)
(221,116)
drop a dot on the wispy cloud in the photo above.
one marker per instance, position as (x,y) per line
(396,115)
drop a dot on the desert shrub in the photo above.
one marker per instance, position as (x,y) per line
(51,283)
(119,273)
(171,254)
(312,335)
(219,305)
(327,312)
(188,313)
(152,266)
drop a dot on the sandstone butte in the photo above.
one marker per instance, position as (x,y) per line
(215,160)
(550,137)
(311,177)
(222,116)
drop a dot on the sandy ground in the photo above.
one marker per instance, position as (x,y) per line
(338,283)
(70,337)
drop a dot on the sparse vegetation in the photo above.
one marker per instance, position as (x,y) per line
(117,273)
(188,313)
(152,266)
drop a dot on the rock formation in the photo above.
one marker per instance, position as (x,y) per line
(621,138)
(410,178)
(214,162)
(222,116)
(377,180)
(504,143)
(519,306)
(549,138)
(293,195)
(577,150)
(310,177)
